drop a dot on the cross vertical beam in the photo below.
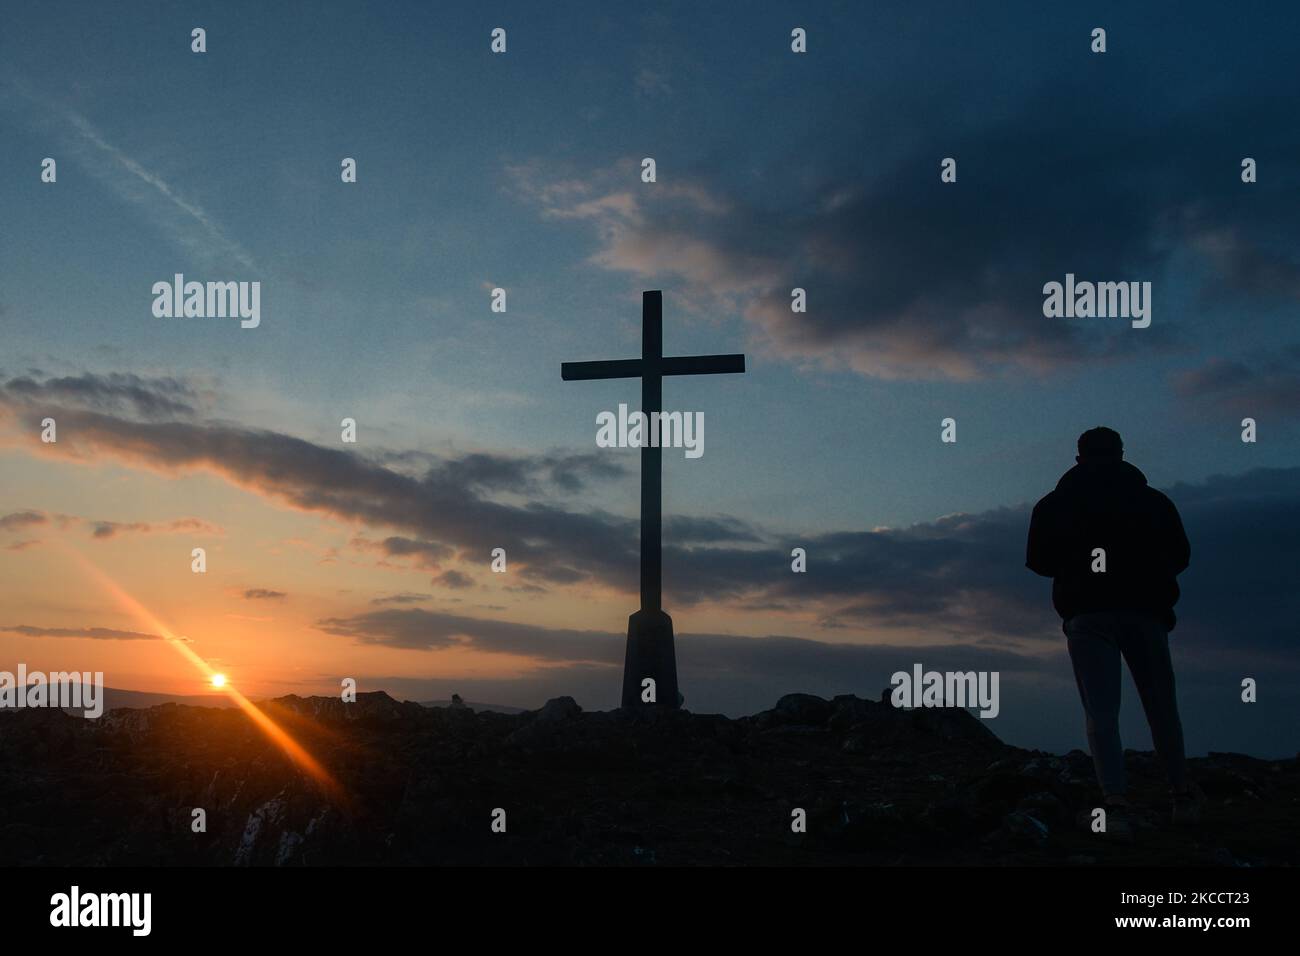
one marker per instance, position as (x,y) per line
(652,477)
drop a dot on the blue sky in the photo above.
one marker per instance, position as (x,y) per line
(774,170)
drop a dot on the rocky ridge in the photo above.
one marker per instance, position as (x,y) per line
(418,785)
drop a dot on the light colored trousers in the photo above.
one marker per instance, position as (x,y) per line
(1097,640)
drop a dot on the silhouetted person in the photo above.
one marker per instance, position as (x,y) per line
(1114,547)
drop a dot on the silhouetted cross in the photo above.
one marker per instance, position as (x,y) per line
(651,367)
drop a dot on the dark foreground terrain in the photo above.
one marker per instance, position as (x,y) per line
(418,785)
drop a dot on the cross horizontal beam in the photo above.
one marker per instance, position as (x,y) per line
(635,368)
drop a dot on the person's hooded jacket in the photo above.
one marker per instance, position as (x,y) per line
(1106,503)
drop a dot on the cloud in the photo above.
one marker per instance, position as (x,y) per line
(111,529)
(454,579)
(183,220)
(426,553)
(951,589)
(101,529)
(960,575)
(488,472)
(908,277)
(714,528)
(118,392)
(449,509)
(1264,384)
(402,598)
(422,629)
(22,519)
(93,633)
(526,589)
(419,629)
(263,594)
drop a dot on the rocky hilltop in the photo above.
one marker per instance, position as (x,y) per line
(419,785)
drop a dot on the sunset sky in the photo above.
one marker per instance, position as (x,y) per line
(329,560)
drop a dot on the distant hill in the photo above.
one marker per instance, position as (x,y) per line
(488,708)
(115,698)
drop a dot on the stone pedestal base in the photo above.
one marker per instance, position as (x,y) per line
(650,654)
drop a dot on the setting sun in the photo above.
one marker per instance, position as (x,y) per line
(218,680)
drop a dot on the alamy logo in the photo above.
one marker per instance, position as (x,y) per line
(923,688)
(1102,300)
(67,690)
(209,300)
(657,430)
(103,909)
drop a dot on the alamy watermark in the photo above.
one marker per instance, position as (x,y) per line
(922,688)
(208,300)
(75,908)
(65,690)
(1102,300)
(656,430)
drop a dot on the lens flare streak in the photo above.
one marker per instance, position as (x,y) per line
(274,731)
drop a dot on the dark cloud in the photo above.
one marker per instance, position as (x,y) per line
(964,575)
(121,392)
(426,553)
(422,629)
(111,529)
(94,633)
(715,528)
(1264,384)
(264,594)
(107,529)
(23,519)
(525,589)
(1239,595)
(702,654)
(488,472)
(441,513)
(454,579)
(555,573)
(402,598)
(908,277)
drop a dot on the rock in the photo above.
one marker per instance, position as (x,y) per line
(856,744)
(804,709)
(1222,856)
(1041,766)
(1004,789)
(1045,806)
(1023,827)
(558,708)
(848,711)
(956,816)
(879,825)
(953,723)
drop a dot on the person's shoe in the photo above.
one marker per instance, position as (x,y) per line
(1188,805)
